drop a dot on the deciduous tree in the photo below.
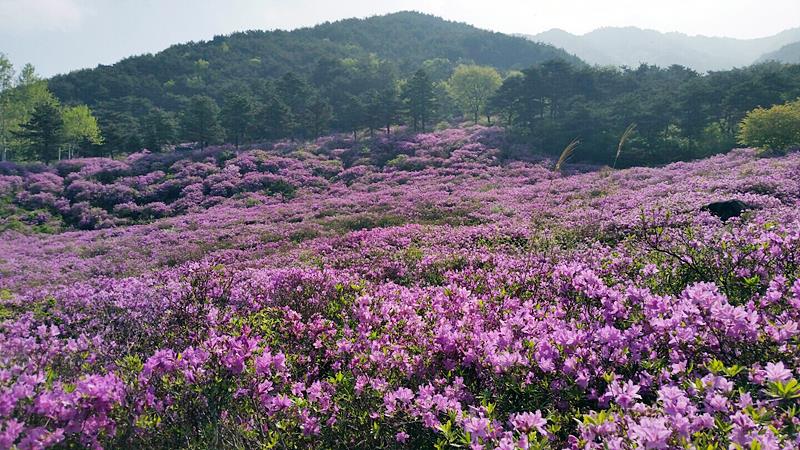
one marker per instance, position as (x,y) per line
(473,86)
(776,128)
(80,127)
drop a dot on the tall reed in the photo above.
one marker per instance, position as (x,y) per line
(628,131)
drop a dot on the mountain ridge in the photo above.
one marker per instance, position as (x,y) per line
(789,53)
(631,46)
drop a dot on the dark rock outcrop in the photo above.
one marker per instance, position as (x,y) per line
(727,209)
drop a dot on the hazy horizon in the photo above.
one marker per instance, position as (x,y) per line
(59,36)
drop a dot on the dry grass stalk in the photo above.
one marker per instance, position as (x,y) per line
(628,131)
(566,154)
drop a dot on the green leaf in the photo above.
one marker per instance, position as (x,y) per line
(788,390)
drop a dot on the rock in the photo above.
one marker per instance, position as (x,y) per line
(727,209)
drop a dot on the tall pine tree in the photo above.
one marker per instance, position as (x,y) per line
(419,99)
(238,117)
(200,122)
(43,131)
(158,129)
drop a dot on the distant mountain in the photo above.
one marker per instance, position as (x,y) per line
(631,46)
(787,54)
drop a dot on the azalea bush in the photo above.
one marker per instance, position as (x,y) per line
(93,193)
(460,302)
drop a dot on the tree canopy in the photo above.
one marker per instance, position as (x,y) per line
(472,86)
(776,128)
(679,113)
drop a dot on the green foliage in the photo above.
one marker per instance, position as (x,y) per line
(43,131)
(158,129)
(785,390)
(18,98)
(276,119)
(238,117)
(317,116)
(6,107)
(352,114)
(679,114)
(299,83)
(419,99)
(405,68)
(776,128)
(200,121)
(383,108)
(472,87)
(33,124)
(80,127)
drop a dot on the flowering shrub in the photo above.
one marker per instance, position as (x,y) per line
(112,192)
(446,301)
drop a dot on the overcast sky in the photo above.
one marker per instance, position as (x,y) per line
(63,35)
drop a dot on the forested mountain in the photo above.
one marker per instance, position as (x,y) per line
(366,52)
(788,54)
(631,46)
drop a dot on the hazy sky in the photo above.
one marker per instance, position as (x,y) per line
(62,35)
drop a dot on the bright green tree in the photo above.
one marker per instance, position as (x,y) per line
(80,127)
(18,98)
(776,128)
(472,87)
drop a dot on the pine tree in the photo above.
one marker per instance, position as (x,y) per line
(158,129)
(351,115)
(317,116)
(277,119)
(238,117)
(200,122)
(387,107)
(419,99)
(43,131)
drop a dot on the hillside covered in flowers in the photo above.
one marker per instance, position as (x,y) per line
(406,291)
